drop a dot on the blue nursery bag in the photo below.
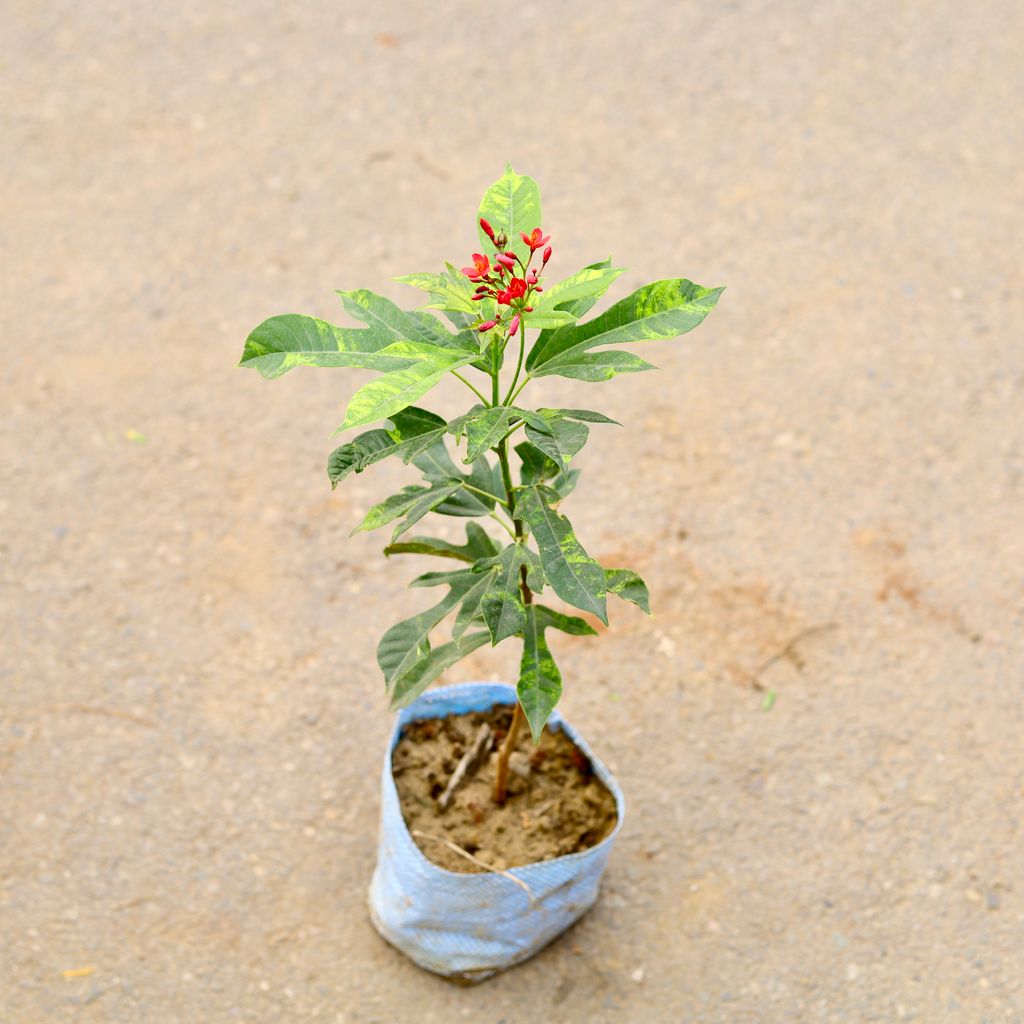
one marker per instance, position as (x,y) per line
(470,926)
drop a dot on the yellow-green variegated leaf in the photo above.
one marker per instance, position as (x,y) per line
(412,502)
(407,641)
(436,464)
(412,432)
(451,291)
(540,682)
(478,545)
(574,576)
(392,392)
(502,605)
(561,439)
(664,309)
(586,415)
(471,613)
(590,283)
(629,586)
(547,318)
(484,426)
(595,367)
(382,313)
(283,342)
(548,618)
(512,205)
(429,666)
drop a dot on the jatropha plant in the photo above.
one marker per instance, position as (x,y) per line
(491,304)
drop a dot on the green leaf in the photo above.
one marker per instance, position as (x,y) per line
(436,464)
(429,666)
(663,309)
(598,366)
(383,314)
(562,439)
(429,501)
(571,624)
(512,205)
(590,283)
(582,305)
(484,426)
(503,608)
(565,483)
(580,414)
(547,318)
(537,468)
(407,641)
(575,577)
(393,391)
(412,500)
(413,431)
(629,586)
(451,291)
(540,682)
(471,610)
(478,545)
(283,342)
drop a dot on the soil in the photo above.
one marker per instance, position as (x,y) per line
(556,804)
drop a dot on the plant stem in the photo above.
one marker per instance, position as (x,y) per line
(519,364)
(526,380)
(501,522)
(485,494)
(501,769)
(455,373)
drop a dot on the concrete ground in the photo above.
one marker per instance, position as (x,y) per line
(823,487)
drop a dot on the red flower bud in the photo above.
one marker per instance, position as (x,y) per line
(547,255)
(532,278)
(527,309)
(487,229)
(505,260)
(481,264)
(538,289)
(514,326)
(478,297)
(535,239)
(487,325)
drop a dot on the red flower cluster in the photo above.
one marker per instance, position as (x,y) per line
(510,281)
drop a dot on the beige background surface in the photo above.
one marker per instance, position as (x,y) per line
(191,712)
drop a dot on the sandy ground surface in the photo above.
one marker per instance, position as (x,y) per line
(192,718)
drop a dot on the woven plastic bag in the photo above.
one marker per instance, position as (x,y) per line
(470,926)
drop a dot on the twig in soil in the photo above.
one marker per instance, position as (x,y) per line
(455,848)
(544,810)
(789,649)
(92,709)
(468,763)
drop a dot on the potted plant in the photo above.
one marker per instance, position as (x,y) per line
(490,845)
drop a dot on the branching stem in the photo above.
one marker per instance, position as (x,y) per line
(455,373)
(518,718)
